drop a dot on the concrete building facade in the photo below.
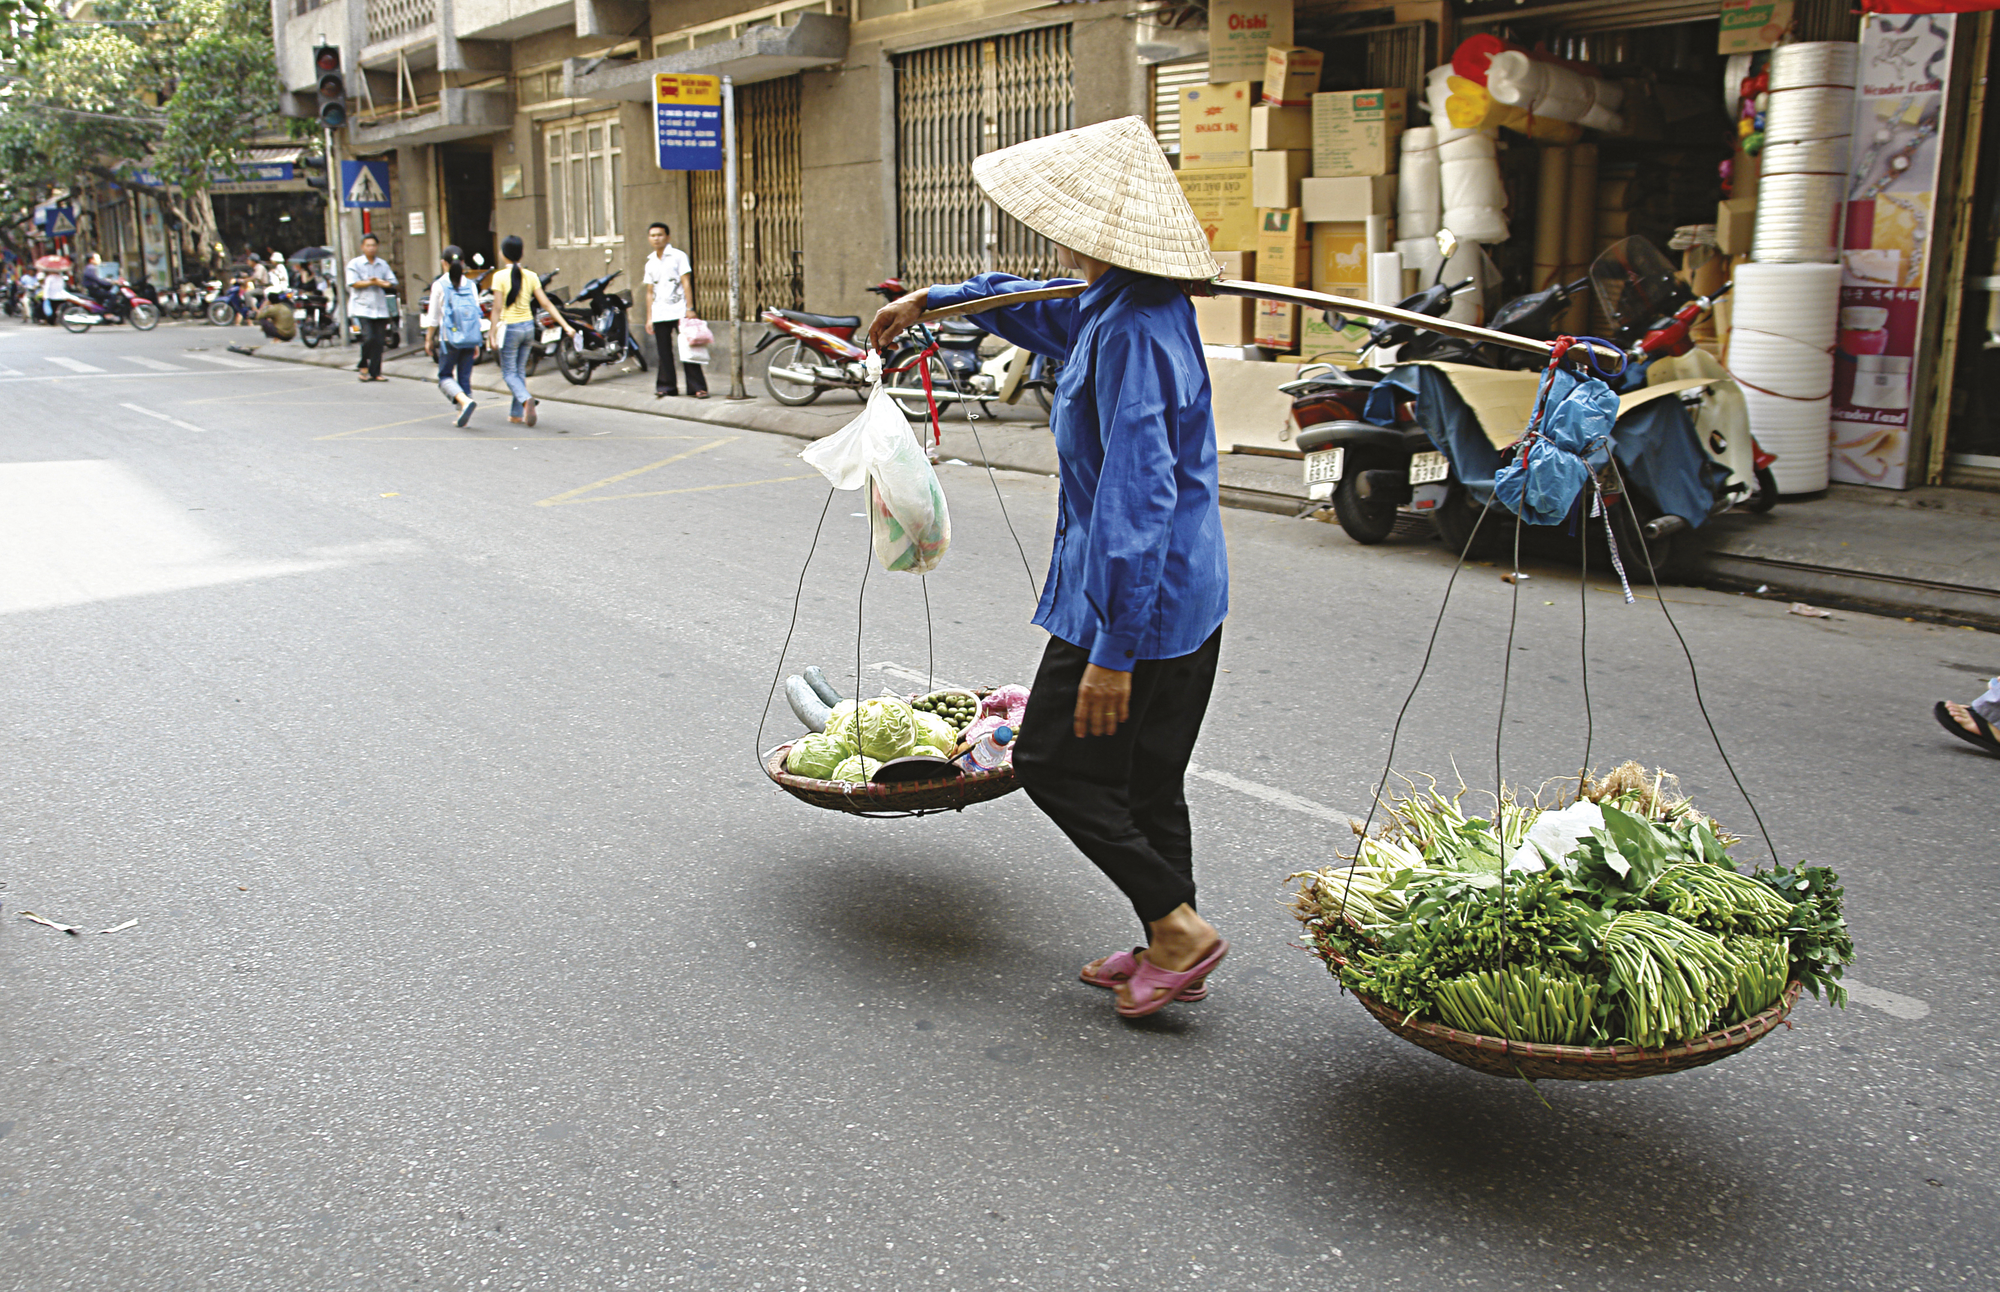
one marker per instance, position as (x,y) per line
(858,120)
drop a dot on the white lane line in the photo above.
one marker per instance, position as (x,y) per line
(1255,789)
(74,365)
(1887,1001)
(123,376)
(1273,795)
(186,426)
(227,363)
(155,364)
(10,372)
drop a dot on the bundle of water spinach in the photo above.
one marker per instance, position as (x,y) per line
(1617,919)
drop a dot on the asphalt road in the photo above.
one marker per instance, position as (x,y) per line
(474,951)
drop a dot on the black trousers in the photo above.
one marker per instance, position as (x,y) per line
(374,332)
(663,380)
(1120,797)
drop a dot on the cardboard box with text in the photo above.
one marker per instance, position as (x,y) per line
(1358,132)
(1215,126)
(1221,201)
(1239,34)
(1284,248)
(1291,74)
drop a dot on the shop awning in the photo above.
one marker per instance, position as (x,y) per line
(760,54)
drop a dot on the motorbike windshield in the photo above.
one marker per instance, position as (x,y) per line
(1635,283)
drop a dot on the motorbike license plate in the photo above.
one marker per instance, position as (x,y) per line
(551,335)
(1323,467)
(1428,468)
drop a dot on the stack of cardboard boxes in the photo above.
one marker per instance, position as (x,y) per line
(1295,188)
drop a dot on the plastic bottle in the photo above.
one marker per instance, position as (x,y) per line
(994,750)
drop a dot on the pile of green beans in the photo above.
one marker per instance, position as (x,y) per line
(1674,978)
(1520,1003)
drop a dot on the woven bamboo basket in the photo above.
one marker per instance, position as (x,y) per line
(1533,1061)
(913,798)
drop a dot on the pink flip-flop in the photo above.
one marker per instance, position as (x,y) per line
(1118,968)
(1158,987)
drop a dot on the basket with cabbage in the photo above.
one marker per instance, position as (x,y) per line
(889,756)
(1611,938)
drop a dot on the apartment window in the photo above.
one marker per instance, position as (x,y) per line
(586,161)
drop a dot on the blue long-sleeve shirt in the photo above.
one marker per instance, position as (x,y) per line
(1139,569)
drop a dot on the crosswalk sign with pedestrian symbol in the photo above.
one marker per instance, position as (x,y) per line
(364,185)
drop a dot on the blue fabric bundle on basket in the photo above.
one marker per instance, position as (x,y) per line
(1569,439)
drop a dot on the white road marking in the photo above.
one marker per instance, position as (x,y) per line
(74,365)
(10,372)
(225,362)
(175,421)
(1887,1001)
(155,364)
(1255,789)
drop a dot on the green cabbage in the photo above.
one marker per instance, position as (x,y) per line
(839,726)
(856,769)
(816,756)
(934,732)
(888,727)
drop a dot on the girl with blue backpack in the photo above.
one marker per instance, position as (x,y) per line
(454,330)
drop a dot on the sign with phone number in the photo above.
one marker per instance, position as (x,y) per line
(687,112)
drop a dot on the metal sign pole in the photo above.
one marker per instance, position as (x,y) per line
(733,204)
(337,284)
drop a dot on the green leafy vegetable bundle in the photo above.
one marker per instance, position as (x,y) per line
(1617,919)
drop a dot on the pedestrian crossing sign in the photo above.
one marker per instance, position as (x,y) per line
(364,185)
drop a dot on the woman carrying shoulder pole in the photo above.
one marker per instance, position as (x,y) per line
(1138,584)
(454,329)
(519,290)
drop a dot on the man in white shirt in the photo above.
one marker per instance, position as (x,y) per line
(369,281)
(669,288)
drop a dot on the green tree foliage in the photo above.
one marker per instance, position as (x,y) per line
(180,85)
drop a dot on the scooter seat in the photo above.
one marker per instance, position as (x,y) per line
(820,320)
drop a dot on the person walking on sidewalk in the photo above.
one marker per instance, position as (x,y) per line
(453,330)
(517,291)
(669,288)
(1139,581)
(369,281)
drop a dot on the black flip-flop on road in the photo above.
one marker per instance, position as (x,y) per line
(1985,738)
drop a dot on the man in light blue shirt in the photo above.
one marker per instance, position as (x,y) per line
(1138,583)
(369,281)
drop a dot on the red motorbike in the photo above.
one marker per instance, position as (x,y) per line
(817,353)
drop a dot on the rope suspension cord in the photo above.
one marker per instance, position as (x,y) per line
(798,595)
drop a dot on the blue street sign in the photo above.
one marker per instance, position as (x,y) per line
(364,185)
(59,221)
(688,114)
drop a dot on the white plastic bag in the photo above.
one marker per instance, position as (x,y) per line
(906,511)
(691,351)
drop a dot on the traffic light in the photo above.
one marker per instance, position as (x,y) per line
(332,87)
(313,167)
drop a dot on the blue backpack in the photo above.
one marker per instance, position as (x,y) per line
(464,328)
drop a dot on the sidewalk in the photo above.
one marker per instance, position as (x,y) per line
(1925,553)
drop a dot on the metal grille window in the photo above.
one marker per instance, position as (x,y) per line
(1400,55)
(952,104)
(1169,79)
(767,141)
(586,161)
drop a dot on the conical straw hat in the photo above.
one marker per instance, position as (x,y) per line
(1104,191)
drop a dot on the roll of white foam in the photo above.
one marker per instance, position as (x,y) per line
(1805,157)
(1817,112)
(1437,89)
(1421,255)
(1474,197)
(1798,218)
(1781,335)
(1385,277)
(1419,185)
(1814,62)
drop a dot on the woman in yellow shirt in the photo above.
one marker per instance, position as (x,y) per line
(516,292)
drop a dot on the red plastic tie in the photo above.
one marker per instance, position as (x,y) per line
(924,371)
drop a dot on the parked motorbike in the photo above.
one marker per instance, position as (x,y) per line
(548,336)
(601,319)
(230,303)
(313,314)
(117,304)
(10,298)
(393,334)
(1371,471)
(817,353)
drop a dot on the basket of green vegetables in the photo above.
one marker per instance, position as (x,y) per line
(1609,939)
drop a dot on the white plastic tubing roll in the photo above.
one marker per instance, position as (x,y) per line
(1419,188)
(1554,91)
(1781,336)
(1474,197)
(1437,89)
(1385,277)
(1815,62)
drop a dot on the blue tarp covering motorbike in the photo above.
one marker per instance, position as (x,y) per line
(1655,445)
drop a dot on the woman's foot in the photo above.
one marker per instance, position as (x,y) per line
(1181,941)
(1112,970)
(465,407)
(528,412)
(517,421)
(1961,721)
